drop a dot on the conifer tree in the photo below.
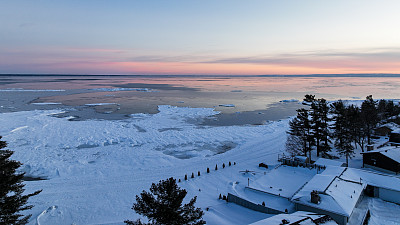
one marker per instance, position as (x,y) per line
(12,200)
(163,206)
(369,115)
(309,98)
(319,123)
(300,135)
(342,132)
(325,131)
(357,127)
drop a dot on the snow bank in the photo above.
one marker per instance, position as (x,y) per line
(383,212)
(122,89)
(46,103)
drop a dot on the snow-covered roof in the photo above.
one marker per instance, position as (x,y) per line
(301,158)
(328,162)
(373,178)
(396,131)
(294,217)
(390,152)
(390,125)
(337,194)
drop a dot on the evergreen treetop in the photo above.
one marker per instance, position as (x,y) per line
(12,200)
(163,205)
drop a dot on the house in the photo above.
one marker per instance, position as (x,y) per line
(299,217)
(379,185)
(330,194)
(337,192)
(386,129)
(386,159)
(395,136)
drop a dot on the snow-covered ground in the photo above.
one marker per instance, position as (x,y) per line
(383,213)
(95,168)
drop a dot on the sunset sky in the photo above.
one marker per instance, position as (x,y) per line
(199,37)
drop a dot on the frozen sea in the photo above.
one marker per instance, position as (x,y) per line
(94,142)
(241,100)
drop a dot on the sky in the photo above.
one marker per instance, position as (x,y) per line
(210,37)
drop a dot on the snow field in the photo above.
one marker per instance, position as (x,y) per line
(96,167)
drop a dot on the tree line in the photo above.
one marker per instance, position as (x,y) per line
(344,126)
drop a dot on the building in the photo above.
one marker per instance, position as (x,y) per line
(386,159)
(339,191)
(386,129)
(378,185)
(330,194)
(395,136)
(299,217)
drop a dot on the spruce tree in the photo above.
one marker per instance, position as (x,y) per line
(12,200)
(163,206)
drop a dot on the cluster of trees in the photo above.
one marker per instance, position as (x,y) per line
(346,125)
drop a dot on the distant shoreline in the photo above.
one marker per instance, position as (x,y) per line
(361,75)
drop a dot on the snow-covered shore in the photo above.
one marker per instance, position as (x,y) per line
(94,168)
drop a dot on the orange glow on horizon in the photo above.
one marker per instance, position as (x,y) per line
(182,68)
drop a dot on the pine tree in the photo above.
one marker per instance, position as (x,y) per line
(357,128)
(342,133)
(381,109)
(300,135)
(325,132)
(369,115)
(319,123)
(12,201)
(163,205)
(309,98)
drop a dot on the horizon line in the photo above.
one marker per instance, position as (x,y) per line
(214,75)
